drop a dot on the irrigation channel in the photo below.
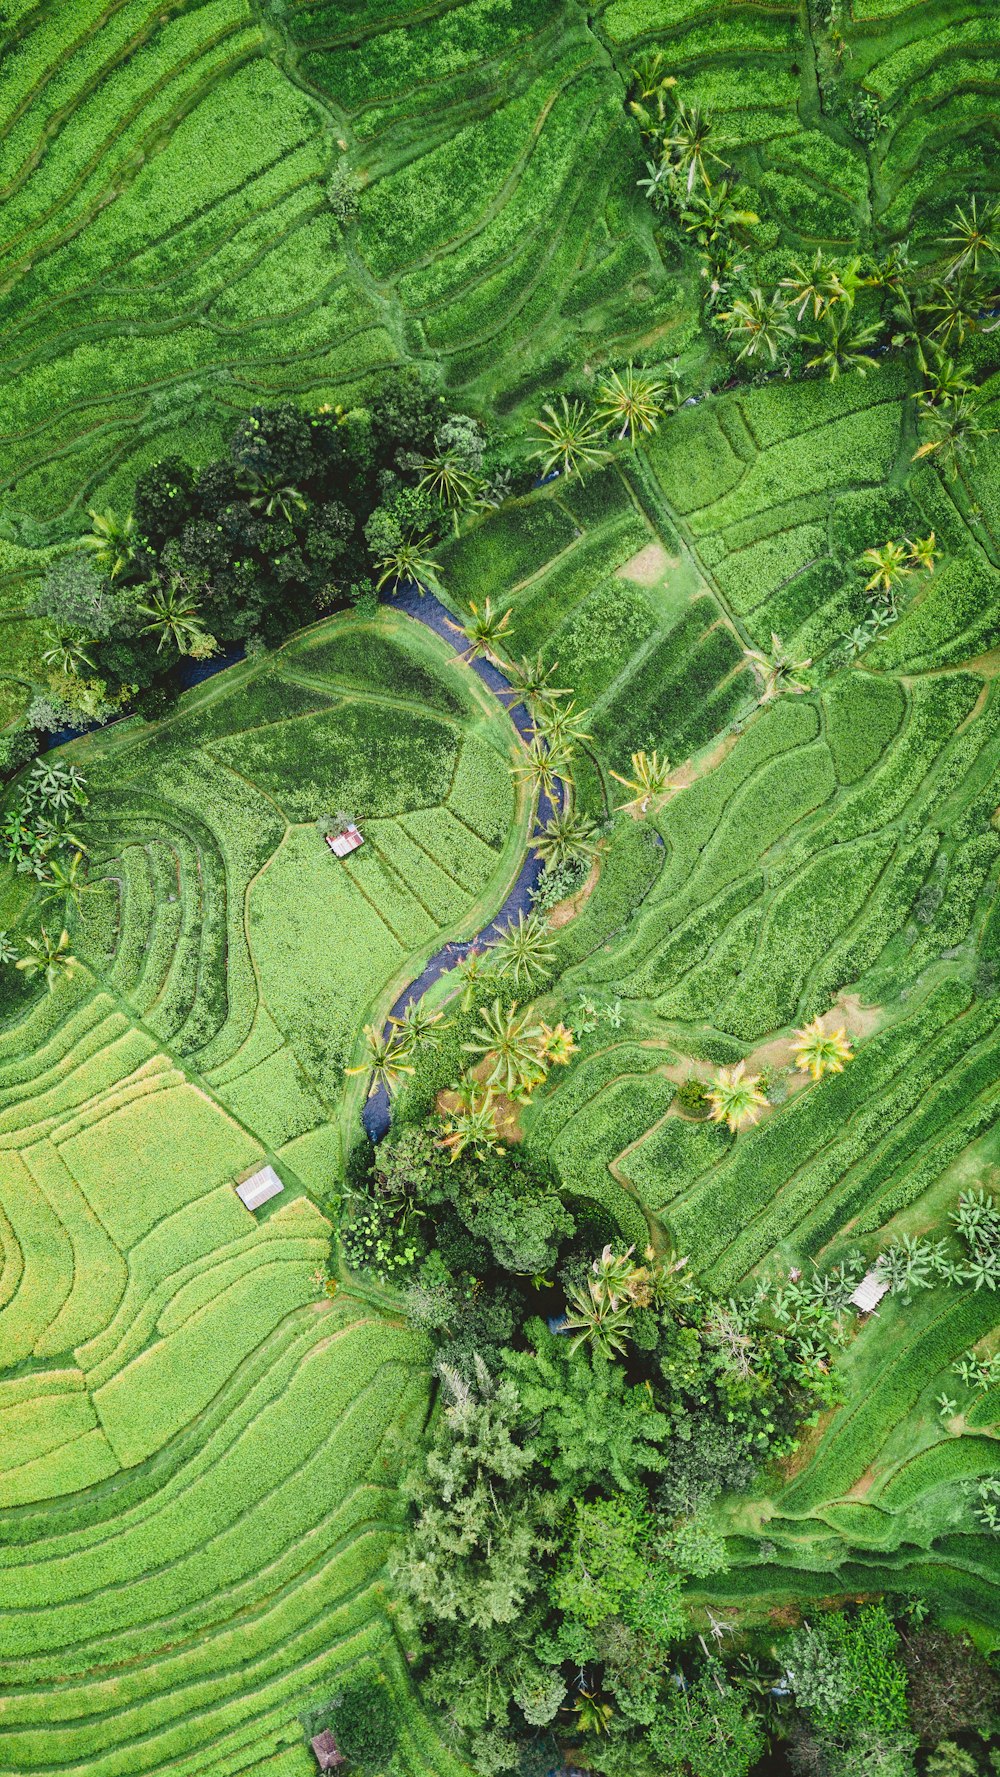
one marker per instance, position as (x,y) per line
(425,608)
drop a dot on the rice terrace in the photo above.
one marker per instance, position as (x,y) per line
(500,888)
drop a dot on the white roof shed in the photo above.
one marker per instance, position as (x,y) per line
(869,1292)
(259,1188)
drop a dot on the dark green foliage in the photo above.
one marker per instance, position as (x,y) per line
(365,1720)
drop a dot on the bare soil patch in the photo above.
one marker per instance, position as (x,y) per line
(648,566)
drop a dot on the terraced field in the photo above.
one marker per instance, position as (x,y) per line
(836,849)
(201,1448)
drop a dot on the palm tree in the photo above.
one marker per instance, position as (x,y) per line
(111,540)
(956,430)
(818,1053)
(890,564)
(712,216)
(64,880)
(572,439)
(542,767)
(568,838)
(735,1098)
(597,1317)
(472,1124)
(387,1058)
(531,682)
(651,778)
(685,148)
(510,1047)
(526,949)
(817,286)
(277,497)
(175,617)
(971,238)
(562,727)
(923,551)
(407,562)
(422,1026)
(632,402)
(761,322)
(67,654)
(558,1045)
(484,629)
(450,479)
(50,957)
(842,345)
(471,969)
(776,670)
(958,307)
(944,380)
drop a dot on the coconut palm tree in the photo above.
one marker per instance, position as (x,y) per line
(276,499)
(526,949)
(817,286)
(889,564)
(407,563)
(450,479)
(572,439)
(67,654)
(471,969)
(777,670)
(685,147)
(531,683)
(943,379)
(543,767)
(711,216)
(472,1124)
(957,307)
(568,838)
(111,540)
(955,430)
(818,1052)
(632,402)
(558,1045)
(484,629)
(735,1099)
(510,1047)
(422,1026)
(760,322)
(50,957)
(923,551)
(650,779)
(561,726)
(973,237)
(843,343)
(175,616)
(387,1058)
(598,1318)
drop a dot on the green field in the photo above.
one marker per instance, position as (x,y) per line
(217,204)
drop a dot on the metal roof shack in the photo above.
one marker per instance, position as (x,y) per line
(869,1293)
(347,840)
(259,1188)
(328,1753)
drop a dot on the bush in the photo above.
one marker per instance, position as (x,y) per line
(364,1719)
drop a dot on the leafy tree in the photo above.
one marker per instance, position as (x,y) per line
(571,438)
(79,600)
(847,1673)
(593,1427)
(818,1052)
(736,1098)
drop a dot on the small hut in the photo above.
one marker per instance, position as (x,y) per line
(345,840)
(869,1293)
(259,1188)
(328,1753)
